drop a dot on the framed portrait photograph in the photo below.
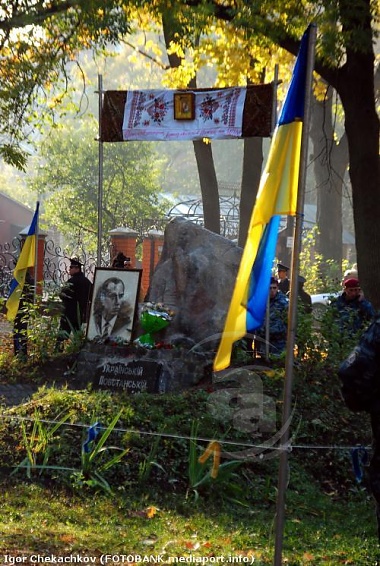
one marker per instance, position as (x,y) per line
(114,304)
(184,106)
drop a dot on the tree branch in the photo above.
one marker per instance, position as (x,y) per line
(145,54)
(273,31)
(36,14)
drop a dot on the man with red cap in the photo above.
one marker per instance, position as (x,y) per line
(353,309)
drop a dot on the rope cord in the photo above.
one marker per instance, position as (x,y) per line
(289,446)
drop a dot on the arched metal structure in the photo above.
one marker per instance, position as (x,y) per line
(192,209)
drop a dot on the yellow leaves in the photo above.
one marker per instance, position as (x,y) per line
(147,513)
(270,372)
(153,47)
(179,77)
(134,59)
(67,538)
(320,88)
(140,40)
(151,512)
(55,101)
(233,58)
(176,49)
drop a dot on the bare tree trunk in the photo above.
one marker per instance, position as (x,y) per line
(209,185)
(252,165)
(330,165)
(365,180)
(356,90)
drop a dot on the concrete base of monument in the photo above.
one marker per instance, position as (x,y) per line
(133,369)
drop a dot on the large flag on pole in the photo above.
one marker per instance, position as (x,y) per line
(26,259)
(277,196)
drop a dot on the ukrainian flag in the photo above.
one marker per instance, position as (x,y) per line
(276,197)
(27,259)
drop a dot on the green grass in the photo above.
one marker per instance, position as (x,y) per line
(329,519)
(36,519)
(152,507)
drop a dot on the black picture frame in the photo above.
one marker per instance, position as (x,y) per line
(116,293)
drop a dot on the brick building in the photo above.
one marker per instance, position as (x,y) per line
(14,217)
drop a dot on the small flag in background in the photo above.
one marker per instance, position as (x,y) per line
(277,196)
(27,259)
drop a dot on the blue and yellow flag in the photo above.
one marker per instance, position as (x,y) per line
(277,196)
(26,259)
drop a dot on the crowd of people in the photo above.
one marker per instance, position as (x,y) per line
(354,317)
(350,310)
(270,339)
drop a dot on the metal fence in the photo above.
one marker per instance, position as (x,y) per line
(192,209)
(55,265)
(57,260)
(9,253)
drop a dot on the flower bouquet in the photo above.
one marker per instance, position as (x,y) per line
(153,317)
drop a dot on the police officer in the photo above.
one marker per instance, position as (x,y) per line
(353,310)
(75,297)
(283,281)
(278,321)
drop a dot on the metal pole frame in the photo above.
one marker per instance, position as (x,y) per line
(35,268)
(292,316)
(100,175)
(276,82)
(274,122)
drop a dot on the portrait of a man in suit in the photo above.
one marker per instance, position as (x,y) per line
(112,311)
(114,304)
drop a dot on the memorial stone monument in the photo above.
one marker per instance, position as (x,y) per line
(194,278)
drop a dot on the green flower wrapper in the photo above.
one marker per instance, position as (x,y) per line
(152,321)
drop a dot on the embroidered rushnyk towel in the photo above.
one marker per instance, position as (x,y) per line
(149,115)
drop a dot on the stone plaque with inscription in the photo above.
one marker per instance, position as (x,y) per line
(138,376)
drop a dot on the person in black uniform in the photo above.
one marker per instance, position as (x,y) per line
(283,281)
(119,260)
(75,297)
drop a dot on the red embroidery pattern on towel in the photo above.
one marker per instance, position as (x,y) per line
(158,110)
(208,107)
